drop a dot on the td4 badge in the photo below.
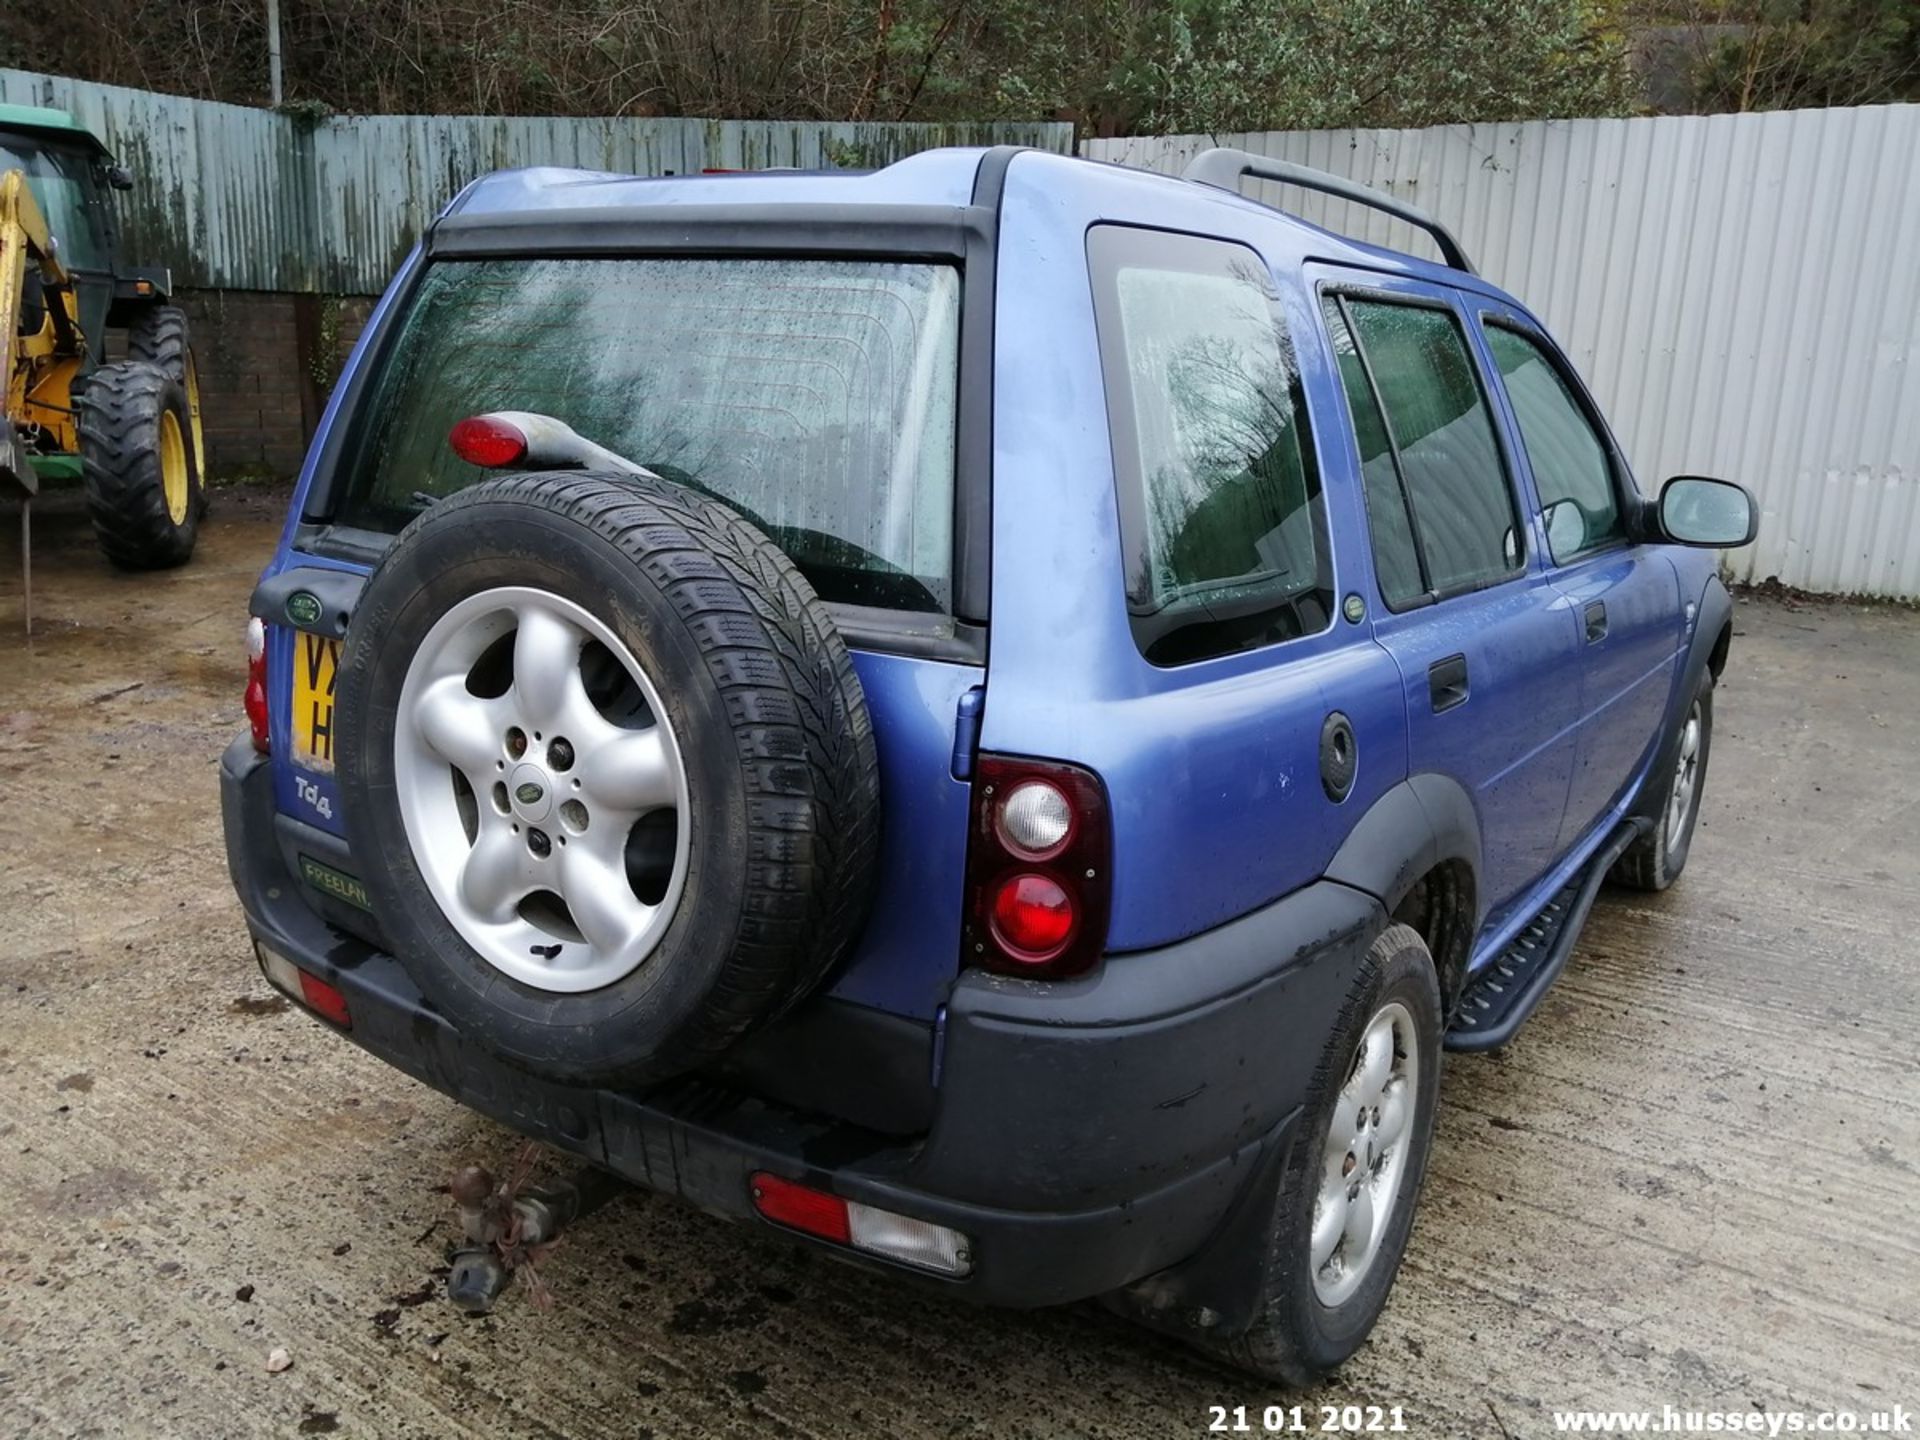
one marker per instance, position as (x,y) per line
(313,796)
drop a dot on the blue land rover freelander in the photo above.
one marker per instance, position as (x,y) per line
(996,715)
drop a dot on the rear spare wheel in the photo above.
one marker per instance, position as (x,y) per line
(607,770)
(141,464)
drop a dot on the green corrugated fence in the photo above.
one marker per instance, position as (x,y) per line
(245,199)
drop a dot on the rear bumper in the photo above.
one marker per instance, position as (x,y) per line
(1084,1134)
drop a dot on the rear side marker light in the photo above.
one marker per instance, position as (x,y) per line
(310,990)
(918,1243)
(487,441)
(256,696)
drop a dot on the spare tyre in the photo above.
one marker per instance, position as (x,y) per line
(607,771)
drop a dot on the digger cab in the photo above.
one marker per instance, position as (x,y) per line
(69,171)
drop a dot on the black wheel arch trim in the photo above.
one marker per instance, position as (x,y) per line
(1706,652)
(1423,822)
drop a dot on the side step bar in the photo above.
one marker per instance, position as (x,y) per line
(1503,994)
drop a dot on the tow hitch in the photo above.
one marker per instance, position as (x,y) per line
(510,1227)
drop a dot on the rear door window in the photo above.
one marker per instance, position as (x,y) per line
(1571,464)
(817,397)
(1456,499)
(1221,516)
(1396,556)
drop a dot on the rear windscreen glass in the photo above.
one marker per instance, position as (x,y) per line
(816,397)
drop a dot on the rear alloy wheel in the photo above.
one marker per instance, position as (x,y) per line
(521,805)
(1363,1156)
(140,464)
(1344,1201)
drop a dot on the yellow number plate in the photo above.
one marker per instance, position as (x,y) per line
(316,664)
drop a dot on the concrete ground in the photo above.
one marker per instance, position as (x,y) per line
(1693,1180)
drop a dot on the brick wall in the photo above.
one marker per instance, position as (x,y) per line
(261,391)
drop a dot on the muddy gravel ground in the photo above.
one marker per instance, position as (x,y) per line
(1694,1179)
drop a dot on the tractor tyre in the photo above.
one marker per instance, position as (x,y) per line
(143,480)
(158,334)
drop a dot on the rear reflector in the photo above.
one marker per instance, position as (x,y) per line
(799,1208)
(310,990)
(912,1242)
(325,1001)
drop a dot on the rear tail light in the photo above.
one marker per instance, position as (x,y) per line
(256,700)
(309,989)
(489,441)
(1038,857)
(919,1243)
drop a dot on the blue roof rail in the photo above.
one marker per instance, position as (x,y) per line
(1223,168)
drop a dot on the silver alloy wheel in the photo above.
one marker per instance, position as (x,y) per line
(1363,1162)
(1686,779)
(554,789)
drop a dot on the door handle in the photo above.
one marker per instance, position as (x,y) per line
(1596,622)
(1447,682)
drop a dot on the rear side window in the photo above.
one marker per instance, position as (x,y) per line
(1570,463)
(1422,393)
(817,397)
(1221,515)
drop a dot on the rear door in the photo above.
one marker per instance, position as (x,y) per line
(1486,644)
(1625,597)
(818,395)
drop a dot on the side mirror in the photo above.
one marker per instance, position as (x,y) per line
(1566,529)
(119,177)
(1699,510)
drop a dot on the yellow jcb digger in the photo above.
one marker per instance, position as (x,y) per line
(130,430)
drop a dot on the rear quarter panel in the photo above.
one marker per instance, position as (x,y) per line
(1212,768)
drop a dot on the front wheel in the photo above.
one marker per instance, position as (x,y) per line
(1655,860)
(1352,1178)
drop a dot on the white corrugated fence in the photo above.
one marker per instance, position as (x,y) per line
(1742,292)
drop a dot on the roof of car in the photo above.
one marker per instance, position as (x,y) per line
(40,119)
(932,177)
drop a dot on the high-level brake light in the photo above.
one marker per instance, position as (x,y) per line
(489,441)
